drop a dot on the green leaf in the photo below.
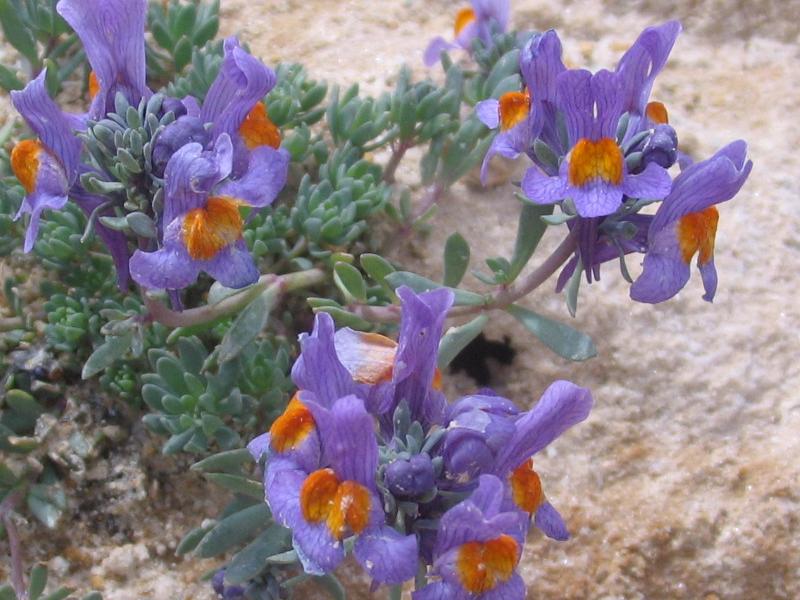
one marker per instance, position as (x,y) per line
(457,338)
(191,540)
(93,596)
(9,80)
(456,259)
(234,530)
(420,284)
(237,484)
(529,232)
(106,354)
(38,582)
(182,53)
(251,560)
(47,503)
(185,21)
(376,266)
(16,33)
(247,326)
(560,338)
(350,281)
(230,461)
(345,318)
(7,593)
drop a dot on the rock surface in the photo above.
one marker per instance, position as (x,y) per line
(684,481)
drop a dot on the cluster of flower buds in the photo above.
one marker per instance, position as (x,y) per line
(370,456)
(195,165)
(602,151)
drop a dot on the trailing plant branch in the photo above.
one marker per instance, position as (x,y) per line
(17,570)
(159,312)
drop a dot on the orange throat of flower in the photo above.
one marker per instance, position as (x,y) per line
(596,160)
(210,229)
(290,429)
(657,113)
(464,17)
(25,163)
(514,108)
(94,85)
(696,233)
(482,566)
(341,505)
(526,487)
(257,130)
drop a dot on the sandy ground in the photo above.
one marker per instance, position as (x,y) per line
(684,482)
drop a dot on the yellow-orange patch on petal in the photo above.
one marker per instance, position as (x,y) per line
(350,509)
(25,163)
(526,487)
(514,108)
(257,130)
(464,17)
(209,229)
(437,380)
(94,85)
(342,505)
(591,160)
(657,113)
(697,232)
(318,494)
(481,566)
(290,429)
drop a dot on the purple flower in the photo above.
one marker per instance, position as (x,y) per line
(484,18)
(686,224)
(112,32)
(202,222)
(488,435)
(524,116)
(233,104)
(478,547)
(46,167)
(594,175)
(339,498)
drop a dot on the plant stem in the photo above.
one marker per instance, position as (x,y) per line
(17,570)
(432,196)
(158,311)
(397,155)
(502,298)
(507,295)
(396,592)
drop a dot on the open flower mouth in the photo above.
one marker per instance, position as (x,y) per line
(208,230)
(595,160)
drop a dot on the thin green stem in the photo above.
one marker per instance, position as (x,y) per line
(158,311)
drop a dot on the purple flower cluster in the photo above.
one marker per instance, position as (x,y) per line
(370,453)
(479,21)
(214,159)
(602,150)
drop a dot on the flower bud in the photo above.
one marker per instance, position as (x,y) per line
(410,478)
(661,147)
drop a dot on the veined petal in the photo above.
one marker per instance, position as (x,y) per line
(550,522)
(664,272)
(171,267)
(441,590)
(347,436)
(54,128)
(544,189)
(387,556)
(702,184)
(654,183)
(242,81)
(264,179)
(708,272)
(318,368)
(112,33)
(562,405)
(233,266)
